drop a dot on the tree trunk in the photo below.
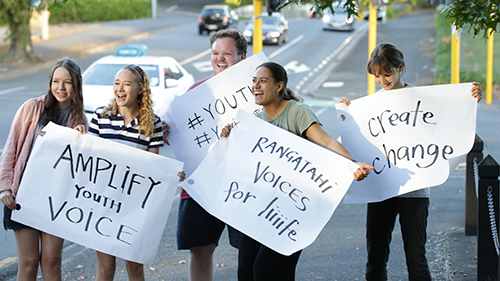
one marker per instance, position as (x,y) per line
(21,49)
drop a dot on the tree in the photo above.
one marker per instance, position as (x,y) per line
(477,15)
(349,5)
(18,13)
(19,35)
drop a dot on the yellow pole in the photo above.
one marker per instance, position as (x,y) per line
(455,56)
(257,26)
(489,68)
(372,43)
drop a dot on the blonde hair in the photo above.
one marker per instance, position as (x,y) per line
(146,112)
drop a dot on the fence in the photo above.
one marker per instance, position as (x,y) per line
(482,210)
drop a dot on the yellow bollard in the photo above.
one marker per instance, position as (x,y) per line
(372,43)
(489,67)
(257,26)
(455,56)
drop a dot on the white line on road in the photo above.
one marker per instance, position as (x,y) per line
(171,8)
(321,111)
(12,90)
(195,57)
(282,49)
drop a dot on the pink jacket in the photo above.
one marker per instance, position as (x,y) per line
(17,148)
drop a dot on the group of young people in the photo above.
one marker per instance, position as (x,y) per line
(130,114)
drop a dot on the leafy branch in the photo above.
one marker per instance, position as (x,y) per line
(476,15)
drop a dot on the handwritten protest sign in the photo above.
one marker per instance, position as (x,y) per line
(270,184)
(197,117)
(412,136)
(101,194)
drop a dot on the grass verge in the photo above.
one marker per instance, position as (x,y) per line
(473,55)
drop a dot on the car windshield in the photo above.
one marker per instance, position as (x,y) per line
(210,12)
(270,20)
(104,74)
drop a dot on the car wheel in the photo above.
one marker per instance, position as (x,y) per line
(200,31)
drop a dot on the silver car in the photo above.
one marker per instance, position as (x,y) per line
(340,20)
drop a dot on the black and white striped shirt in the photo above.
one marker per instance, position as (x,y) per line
(114,128)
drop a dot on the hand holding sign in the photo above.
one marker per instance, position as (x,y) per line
(412,136)
(103,195)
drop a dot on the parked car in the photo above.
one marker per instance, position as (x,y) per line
(381,13)
(167,78)
(340,20)
(217,17)
(274,29)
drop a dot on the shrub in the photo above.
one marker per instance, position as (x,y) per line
(77,11)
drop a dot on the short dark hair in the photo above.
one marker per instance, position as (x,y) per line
(241,42)
(385,56)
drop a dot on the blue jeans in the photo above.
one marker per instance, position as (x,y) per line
(380,220)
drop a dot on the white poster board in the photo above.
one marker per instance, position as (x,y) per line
(412,136)
(270,184)
(101,194)
(197,117)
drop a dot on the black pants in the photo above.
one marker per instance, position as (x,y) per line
(257,262)
(380,220)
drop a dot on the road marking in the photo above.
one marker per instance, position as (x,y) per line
(321,111)
(329,63)
(294,67)
(321,103)
(282,49)
(195,57)
(16,89)
(203,66)
(171,8)
(333,84)
(7,262)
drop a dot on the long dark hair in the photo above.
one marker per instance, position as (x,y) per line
(51,112)
(280,75)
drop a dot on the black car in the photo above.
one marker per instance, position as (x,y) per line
(274,29)
(217,17)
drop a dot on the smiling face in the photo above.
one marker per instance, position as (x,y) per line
(225,54)
(389,80)
(264,87)
(62,87)
(126,89)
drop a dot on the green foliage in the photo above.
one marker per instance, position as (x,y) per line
(475,15)
(75,11)
(442,56)
(473,58)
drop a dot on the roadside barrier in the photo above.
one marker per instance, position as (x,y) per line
(482,190)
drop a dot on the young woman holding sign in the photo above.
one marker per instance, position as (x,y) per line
(285,110)
(387,65)
(129,119)
(63,105)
